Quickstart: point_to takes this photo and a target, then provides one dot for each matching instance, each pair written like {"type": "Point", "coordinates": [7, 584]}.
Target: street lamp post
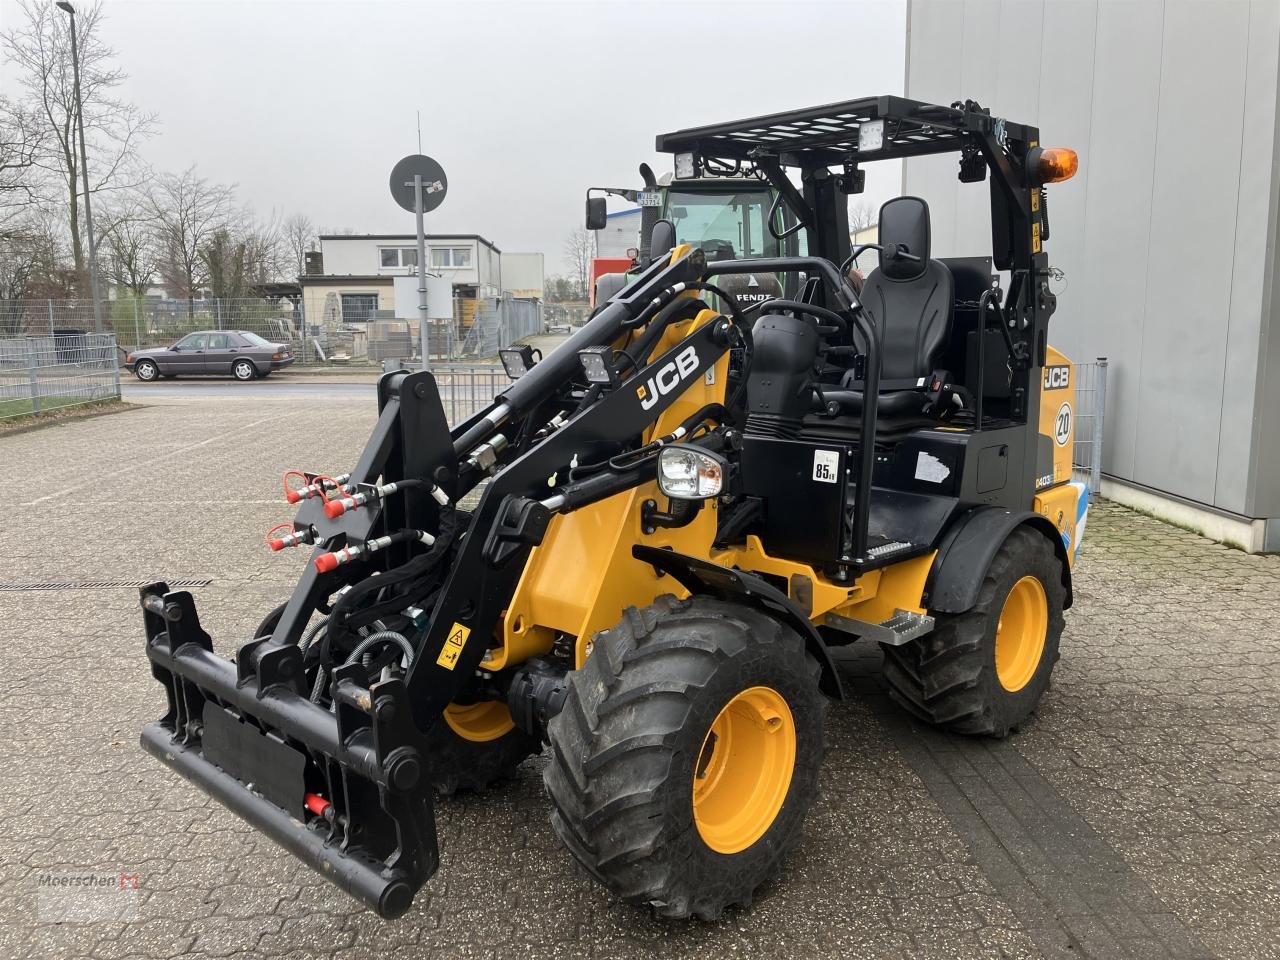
{"type": "Point", "coordinates": [84, 170]}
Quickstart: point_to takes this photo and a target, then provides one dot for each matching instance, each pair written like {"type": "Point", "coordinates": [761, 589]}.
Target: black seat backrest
{"type": "Point", "coordinates": [910, 301]}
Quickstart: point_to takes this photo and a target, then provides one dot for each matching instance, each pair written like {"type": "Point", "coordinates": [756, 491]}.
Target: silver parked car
{"type": "Point", "coordinates": [238, 353]}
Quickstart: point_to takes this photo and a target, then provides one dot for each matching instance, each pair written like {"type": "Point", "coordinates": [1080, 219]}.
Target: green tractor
{"type": "Point", "coordinates": [727, 215]}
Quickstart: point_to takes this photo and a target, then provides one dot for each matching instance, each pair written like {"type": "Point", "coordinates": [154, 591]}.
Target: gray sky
{"type": "Point", "coordinates": [307, 105]}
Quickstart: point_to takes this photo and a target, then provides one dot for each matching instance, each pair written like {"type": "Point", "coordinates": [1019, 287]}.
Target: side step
{"type": "Point", "coordinates": [903, 627]}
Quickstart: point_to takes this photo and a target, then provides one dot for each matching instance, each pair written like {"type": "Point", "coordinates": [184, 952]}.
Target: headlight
{"type": "Point", "coordinates": [690, 473]}
{"type": "Point", "coordinates": [597, 365]}
{"type": "Point", "coordinates": [517, 361]}
{"type": "Point", "coordinates": [871, 136]}
{"type": "Point", "coordinates": [686, 166]}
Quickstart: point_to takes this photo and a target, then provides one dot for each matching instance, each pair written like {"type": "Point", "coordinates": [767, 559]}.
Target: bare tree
{"type": "Point", "coordinates": [33, 259]}
{"type": "Point", "coordinates": [300, 234]}
{"type": "Point", "coordinates": [244, 253]}
{"type": "Point", "coordinates": [268, 256]}
{"type": "Point", "coordinates": [40, 54]}
{"type": "Point", "coordinates": [22, 143]}
{"type": "Point", "coordinates": [579, 248]}
{"type": "Point", "coordinates": [558, 289]}
{"type": "Point", "coordinates": [188, 210]}
{"type": "Point", "coordinates": [861, 216]}
{"type": "Point", "coordinates": [20, 256]}
{"type": "Point", "coordinates": [225, 261]}
{"type": "Point", "coordinates": [129, 248]}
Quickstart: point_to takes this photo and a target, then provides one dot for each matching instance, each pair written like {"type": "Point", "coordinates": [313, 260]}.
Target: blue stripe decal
{"type": "Point", "coordinates": [1082, 512]}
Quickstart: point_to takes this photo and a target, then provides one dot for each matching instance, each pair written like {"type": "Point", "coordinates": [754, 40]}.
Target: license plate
{"type": "Point", "coordinates": [650, 199]}
{"type": "Point", "coordinates": [267, 765]}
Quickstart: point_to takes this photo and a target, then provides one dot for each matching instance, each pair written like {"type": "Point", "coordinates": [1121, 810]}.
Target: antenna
{"type": "Point", "coordinates": [419, 112]}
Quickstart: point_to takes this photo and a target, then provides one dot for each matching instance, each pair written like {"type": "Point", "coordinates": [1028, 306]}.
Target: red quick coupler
{"type": "Point", "coordinates": [327, 562]}
{"type": "Point", "coordinates": [335, 508]}
{"type": "Point", "coordinates": [316, 488]}
{"type": "Point", "coordinates": [291, 539]}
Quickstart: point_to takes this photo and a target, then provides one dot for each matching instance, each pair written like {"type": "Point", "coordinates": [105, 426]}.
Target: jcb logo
{"type": "Point", "coordinates": [1056, 378]}
{"type": "Point", "coordinates": [671, 375]}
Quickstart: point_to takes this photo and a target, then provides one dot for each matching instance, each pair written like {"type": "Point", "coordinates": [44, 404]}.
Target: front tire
{"type": "Point", "coordinates": [687, 754]}
{"type": "Point", "coordinates": [146, 371]}
{"type": "Point", "coordinates": [477, 746]}
{"type": "Point", "coordinates": [983, 672]}
{"type": "Point", "coordinates": [244, 371]}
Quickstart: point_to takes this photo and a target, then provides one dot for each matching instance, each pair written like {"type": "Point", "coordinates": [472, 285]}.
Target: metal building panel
{"type": "Point", "coordinates": [1195, 184]}
{"type": "Point", "coordinates": [1065, 96]}
{"type": "Point", "coordinates": [1244, 484]}
{"type": "Point", "coordinates": [1117, 213]}
{"type": "Point", "coordinates": [933, 70]}
{"type": "Point", "coordinates": [1166, 255]}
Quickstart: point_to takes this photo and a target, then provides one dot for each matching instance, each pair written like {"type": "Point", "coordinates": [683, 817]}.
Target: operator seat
{"type": "Point", "coordinates": [911, 302]}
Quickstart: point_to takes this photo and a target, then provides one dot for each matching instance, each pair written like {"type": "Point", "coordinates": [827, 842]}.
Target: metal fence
{"type": "Point", "coordinates": [467, 388]}
{"type": "Point", "coordinates": [479, 328]}
{"type": "Point", "coordinates": [140, 322]}
{"type": "Point", "coordinates": [39, 375]}
{"type": "Point", "coordinates": [500, 323]}
{"type": "Point", "coordinates": [1090, 416]}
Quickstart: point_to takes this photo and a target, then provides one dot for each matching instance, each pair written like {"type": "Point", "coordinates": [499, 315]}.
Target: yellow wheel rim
{"type": "Point", "coordinates": [744, 770]}
{"type": "Point", "coordinates": [480, 722]}
{"type": "Point", "coordinates": [1020, 634]}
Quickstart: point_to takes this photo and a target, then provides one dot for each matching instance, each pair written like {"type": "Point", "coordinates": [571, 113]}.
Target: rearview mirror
{"type": "Point", "coordinates": [597, 214]}
{"type": "Point", "coordinates": [662, 240]}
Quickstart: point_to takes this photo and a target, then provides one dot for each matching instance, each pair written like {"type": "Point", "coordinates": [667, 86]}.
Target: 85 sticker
{"type": "Point", "coordinates": [826, 466]}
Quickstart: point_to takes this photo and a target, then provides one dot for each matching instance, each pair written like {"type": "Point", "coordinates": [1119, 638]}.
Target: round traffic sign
{"type": "Point", "coordinates": [434, 183]}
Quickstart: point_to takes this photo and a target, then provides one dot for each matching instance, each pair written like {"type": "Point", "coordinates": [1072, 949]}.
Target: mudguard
{"type": "Point", "coordinates": [701, 576]}
{"type": "Point", "coordinates": [969, 547]}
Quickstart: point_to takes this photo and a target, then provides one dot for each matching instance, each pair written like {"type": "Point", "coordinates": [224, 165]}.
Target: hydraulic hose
{"type": "Point", "coordinates": [405, 584]}
{"type": "Point", "coordinates": [382, 636]}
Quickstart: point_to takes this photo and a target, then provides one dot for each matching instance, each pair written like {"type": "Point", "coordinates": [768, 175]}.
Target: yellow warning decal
{"type": "Point", "coordinates": [453, 645]}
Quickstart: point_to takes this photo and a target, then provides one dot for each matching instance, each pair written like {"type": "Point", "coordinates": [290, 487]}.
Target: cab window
{"type": "Point", "coordinates": [194, 341]}
{"type": "Point", "coordinates": [725, 226]}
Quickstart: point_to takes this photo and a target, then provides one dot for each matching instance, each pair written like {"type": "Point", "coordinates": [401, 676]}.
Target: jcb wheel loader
{"type": "Point", "coordinates": [680, 512]}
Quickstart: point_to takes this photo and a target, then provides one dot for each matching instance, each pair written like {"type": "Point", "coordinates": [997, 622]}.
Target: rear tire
{"type": "Point", "coordinates": [646, 791]}
{"type": "Point", "coordinates": [244, 370]}
{"type": "Point", "coordinates": [974, 676]}
{"type": "Point", "coordinates": [476, 747]}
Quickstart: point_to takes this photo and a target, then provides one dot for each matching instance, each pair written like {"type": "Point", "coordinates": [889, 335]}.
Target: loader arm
{"type": "Point", "coordinates": [328, 764]}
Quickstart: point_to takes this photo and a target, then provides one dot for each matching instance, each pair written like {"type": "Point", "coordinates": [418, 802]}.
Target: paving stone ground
{"type": "Point", "coordinates": [1135, 817]}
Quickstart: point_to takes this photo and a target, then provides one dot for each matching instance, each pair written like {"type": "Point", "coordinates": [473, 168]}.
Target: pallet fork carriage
{"type": "Point", "coordinates": [679, 512]}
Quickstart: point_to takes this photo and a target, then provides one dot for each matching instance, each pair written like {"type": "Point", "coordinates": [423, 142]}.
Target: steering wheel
{"type": "Point", "coordinates": [829, 317]}
{"type": "Point", "coordinates": [718, 250]}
